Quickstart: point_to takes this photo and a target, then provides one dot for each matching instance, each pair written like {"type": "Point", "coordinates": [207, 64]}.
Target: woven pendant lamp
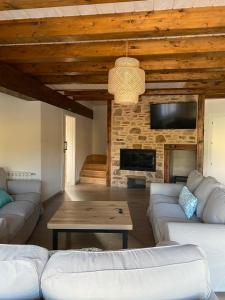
{"type": "Point", "coordinates": [126, 81]}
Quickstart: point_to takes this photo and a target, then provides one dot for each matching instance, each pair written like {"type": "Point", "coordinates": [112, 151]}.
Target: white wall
{"type": "Point", "coordinates": [100, 129]}
{"type": "Point", "coordinates": [20, 135]}
{"type": "Point", "coordinates": [214, 148]}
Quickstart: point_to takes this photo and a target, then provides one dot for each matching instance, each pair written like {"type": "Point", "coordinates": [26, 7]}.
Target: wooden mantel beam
{"type": "Point", "coordinates": [198, 62]}
{"type": "Point", "coordinates": [16, 83]}
{"type": "Point", "coordinates": [29, 4]}
{"type": "Point", "coordinates": [152, 48]}
{"type": "Point", "coordinates": [191, 21]}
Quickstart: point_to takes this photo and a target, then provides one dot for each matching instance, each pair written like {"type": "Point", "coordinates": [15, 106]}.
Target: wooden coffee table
{"type": "Point", "coordinates": [92, 216]}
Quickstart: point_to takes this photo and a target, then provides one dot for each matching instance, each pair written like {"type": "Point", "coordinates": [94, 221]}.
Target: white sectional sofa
{"type": "Point", "coordinates": [171, 272]}
{"type": "Point", "coordinates": [206, 228]}
{"type": "Point", "coordinates": [19, 218]}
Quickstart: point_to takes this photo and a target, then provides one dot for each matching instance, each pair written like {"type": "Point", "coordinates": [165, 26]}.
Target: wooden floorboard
{"type": "Point", "coordinates": [140, 236]}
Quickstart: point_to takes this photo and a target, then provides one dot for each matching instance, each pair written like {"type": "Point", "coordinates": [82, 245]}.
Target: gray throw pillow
{"type": "Point", "coordinates": [214, 211]}
{"type": "Point", "coordinates": [194, 179]}
{"type": "Point", "coordinates": [203, 191]}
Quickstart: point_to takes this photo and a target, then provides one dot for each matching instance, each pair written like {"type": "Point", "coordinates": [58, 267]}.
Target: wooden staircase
{"type": "Point", "coordinates": [94, 169]}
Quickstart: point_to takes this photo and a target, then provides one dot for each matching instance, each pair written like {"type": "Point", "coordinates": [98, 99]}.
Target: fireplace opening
{"type": "Point", "coordinates": [138, 159]}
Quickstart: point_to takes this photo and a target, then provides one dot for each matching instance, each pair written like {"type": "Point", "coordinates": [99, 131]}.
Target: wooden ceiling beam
{"type": "Point", "coordinates": [153, 48]}
{"type": "Point", "coordinates": [193, 63]}
{"type": "Point", "coordinates": [16, 83]}
{"type": "Point", "coordinates": [30, 4]}
{"type": "Point", "coordinates": [191, 21]}
{"type": "Point", "coordinates": [181, 91]}
{"type": "Point", "coordinates": [151, 77]}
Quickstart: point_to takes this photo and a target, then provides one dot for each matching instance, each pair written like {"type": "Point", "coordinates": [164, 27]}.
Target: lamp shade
{"type": "Point", "coordinates": [126, 81]}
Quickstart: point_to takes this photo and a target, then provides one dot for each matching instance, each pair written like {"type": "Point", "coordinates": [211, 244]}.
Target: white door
{"type": "Point", "coordinates": [69, 148]}
{"type": "Point", "coordinates": [216, 147]}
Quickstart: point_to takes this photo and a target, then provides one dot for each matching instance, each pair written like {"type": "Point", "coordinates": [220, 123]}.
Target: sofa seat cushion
{"type": "Point", "coordinates": [21, 268]}
{"type": "Point", "coordinates": [176, 272]}
{"type": "Point", "coordinates": [20, 208]}
{"type": "Point", "coordinates": [203, 192]}
{"type": "Point", "coordinates": [30, 197]}
{"type": "Point", "coordinates": [155, 199]}
{"type": "Point", "coordinates": [14, 224]}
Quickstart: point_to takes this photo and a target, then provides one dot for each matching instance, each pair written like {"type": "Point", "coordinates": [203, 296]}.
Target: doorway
{"type": "Point", "coordinates": [69, 151]}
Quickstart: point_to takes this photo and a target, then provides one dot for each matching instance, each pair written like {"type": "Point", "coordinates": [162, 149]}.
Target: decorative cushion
{"type": "Point", "coordinates": [214, 211]}
{"type": "Point", "coordinates": [5, 198]}
{"type": "Point", "coordinates": [188, 202]}
{"type": "Point", "coordinates": [3, 179]}
{"type": "Point", "coordinates": [174, 272]}
{"type": "Point", "coordinates": [203, 191]}
{"type": "Point", "coordinates": [194, 179]}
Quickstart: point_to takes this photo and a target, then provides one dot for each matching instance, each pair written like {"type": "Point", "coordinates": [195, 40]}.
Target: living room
{"type": "Point", "coordinates": [111, 117]}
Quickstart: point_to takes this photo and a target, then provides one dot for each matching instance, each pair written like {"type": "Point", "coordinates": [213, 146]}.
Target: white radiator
{"type": "Point", "coordinates": [21, 175]}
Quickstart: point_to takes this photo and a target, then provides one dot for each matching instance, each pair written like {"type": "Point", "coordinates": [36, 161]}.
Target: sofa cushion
{"type": "Point", "coordinates": [176, 272]}
{"type": "Point", "coordinates": [20, 208]}
{"type": "Point", "coordinates": [214, 210]}
{"type": "Point", "coordinates": [14, 224]}
{"type": "Point", "coordinates": [20, 271]}
{"type": "Point", "coordinates": [155, 199]}
{"type": "Point", "coordinates": [30, 197]}
{"type": "Point", "coordinates": [194, 179]}
{"type": "Point", "coordinates": [168, 210]}
{"type": "Point", "coordinates": [203, 191]}
{"type": "Point", "coordinates": [5, 198]}
{"type": "Point", "coordinates": [3, 179]}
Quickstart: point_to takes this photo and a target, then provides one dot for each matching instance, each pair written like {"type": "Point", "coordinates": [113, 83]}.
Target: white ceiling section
{"type": "Point", "coordinates": [94, 9]}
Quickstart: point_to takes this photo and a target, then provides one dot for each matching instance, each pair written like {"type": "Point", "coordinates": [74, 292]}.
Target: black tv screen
{"type": "Point", "coordinates": [179, 115]}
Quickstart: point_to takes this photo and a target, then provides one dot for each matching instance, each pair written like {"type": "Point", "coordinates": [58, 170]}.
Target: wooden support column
{"type": "Point", "coordinates": [200, 133]}
{"type": "Point", "coordinates": [109, 128]}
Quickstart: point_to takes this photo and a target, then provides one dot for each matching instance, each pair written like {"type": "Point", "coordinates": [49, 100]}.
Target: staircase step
{"type": "Point", "coordinates": [85, 179]}
{"type": "Point", "coordinates": [97, 167]}
{"type": "Point", "coordinates": [93, 173]}
{"type": "Point", "coordinates": [96, 159]}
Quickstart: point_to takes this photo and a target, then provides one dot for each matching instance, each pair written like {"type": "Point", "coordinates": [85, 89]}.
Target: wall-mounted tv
{"type": "Point", "coordinates": [177, 115]}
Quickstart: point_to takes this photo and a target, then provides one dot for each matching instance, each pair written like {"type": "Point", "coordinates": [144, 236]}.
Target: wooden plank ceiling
{"type": "Point", "coordinates": [182, 51]}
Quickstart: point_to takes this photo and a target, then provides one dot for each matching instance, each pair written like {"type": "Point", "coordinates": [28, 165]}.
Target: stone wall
{"type": "Point", "coordinates": [131, 129]}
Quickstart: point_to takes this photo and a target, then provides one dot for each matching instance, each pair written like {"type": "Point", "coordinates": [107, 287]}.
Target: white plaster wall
{"type": "Point", "coordinates": [99, 142]}
{"type": "Point", "coordinates": [20, 135]}
{"type": "Point", "coordinates": [214, 147]}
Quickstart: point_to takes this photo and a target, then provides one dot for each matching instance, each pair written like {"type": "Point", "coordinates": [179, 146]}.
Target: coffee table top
{"type": "Point", "coordinates": [104, 215]}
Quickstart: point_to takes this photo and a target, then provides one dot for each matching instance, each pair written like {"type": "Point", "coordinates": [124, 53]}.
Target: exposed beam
{"type": "Point", "coordinates": [183, 91]}
{"type": "Point", "coordinates": [151, 77]}
{"type": "Point", "coordinates": [16, 83]}
{"type": "Point", "coordinates": [190, 21]}
{"type": "Point", "coordinates": [29, 4]}
{"type": "Point", "coordinates": [97, 50]}
{"type": "Point", "coordinates": [195, 62]}
{"type": "Point", "coordinates": [200, 133]}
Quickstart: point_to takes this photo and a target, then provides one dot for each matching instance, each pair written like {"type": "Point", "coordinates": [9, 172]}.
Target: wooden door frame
{"type": "Point", "coordinates": [170, 147]}
{"type": "Point", "coordinates": [109, 137]}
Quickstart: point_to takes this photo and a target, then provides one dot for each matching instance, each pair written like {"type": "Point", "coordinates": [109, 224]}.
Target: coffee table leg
{"type": "Point", "coordinates": [55, 239]}
{"type": "Point", "coordinates": [125, 239]}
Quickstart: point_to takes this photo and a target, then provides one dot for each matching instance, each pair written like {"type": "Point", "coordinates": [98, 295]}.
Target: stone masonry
{"type": "Point", "coordinates": [131, 130]}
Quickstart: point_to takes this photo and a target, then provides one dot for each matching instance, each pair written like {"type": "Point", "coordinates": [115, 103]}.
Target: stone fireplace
{"type": "Point", "coordinates": [131, 130]}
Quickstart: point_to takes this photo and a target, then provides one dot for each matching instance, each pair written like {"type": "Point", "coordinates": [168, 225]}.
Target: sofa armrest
{"type": "Point", "coordinates": [168, 189]}
{"type": "Point", "coordinates": [24, 186]}
{"type": "Point", "coordinates": [3, 231]}
{"type": "Point", "coordinates": [211, 238]}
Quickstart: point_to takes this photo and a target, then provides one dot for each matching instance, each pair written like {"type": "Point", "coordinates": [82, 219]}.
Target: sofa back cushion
{"type": "Point", "coordinates": [193, 181]}
{"type": "Point", "coordinates": [214, 210]}
{"type": "Point", "coordinates": [21, 267]}
{"type": "Point", "coordinates": [173, 272]}
{"type": "Point", "coordinates": [3, 179]}
{"type": "Point", "coordinates": [203, 191]}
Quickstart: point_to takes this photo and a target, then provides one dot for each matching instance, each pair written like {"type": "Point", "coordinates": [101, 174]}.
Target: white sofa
{"type": "Point", "coordinates": [19, 218]}
{"type": "Point", "coordinates": [172, 272]}
{"type": "Point", "coordinates": [206, 228]}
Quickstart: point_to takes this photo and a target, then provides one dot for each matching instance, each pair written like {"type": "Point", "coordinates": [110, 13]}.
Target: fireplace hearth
{"type": "Point", "coordinates": [138, 160]}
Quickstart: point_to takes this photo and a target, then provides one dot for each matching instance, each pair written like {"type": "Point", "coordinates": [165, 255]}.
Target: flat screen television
{"type": "Point", "coordinates": [179, 115]}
